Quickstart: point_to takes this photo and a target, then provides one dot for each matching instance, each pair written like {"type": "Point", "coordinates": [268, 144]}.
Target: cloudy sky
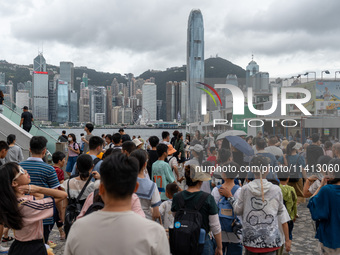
{"type": "Point", "coordinates": [286, 37]}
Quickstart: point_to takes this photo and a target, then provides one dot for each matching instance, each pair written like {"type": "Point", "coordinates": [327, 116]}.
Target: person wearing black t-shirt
{"type": "Point", "coordinates": [26, 119]}
{"type": "Point", "coordinates": [314, 151]}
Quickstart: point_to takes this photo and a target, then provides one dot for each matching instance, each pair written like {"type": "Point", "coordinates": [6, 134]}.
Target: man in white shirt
{"type": "Point", "coordinates": [116, 229]}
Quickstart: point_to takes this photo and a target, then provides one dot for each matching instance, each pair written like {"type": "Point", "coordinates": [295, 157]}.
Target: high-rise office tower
{"type": "Point", "coordinates": [184, 98]}
{"type": "Point", "coordinates": [85, 80]}
{"type": "Point", "coordinates": [39, 63]}
{"type": "Point", "coordinates": [109, 104]}
{"type": "Point", "coordinates": [130, 85]}
{"type": "Point", "coordinates": [74, 106]}
{"type": "Point", "coordinates": [23, 98]}
{"type": "Point", "coordinates": [40, 95]}
{"type": "Point", "coordinates": [149, 94]}
{"type": "Point", "coordinates": [67, 73]}
{"type": "Point", "coordinates": [52, 99]}
{"type": "Point", "coordinates": [195, 64]}
{"type": "Point", "coordinates": [62, 102]}
{"type": "Point", "coordinates": [98, 102]}
{"type": "Point", "coordinates": [84, 104]}
{"type": "Point", "coordinates": [173, 100]}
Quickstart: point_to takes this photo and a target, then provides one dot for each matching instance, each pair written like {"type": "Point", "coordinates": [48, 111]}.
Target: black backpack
{"type": "Point", "coordinates": [184, 237]}
{"type": "Point", "coordinates": [74, 206]}
{"type": "Point", "coordinates": [97, 204]}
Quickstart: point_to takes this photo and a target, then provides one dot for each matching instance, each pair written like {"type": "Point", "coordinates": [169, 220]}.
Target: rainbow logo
{"type": "Point", "coordinates": [209, 93]}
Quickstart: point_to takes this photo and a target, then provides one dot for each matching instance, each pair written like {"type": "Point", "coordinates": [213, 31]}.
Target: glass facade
{"type": "Point", "coordinates": [62, 102]}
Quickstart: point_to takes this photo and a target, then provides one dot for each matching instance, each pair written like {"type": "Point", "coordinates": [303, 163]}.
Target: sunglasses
{"type": "Point", "coordinates": [21, 172]}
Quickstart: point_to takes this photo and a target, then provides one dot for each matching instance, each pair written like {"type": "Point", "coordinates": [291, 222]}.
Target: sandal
{"type": "Point", "coordinates": [62, 234]}
{"type": "Point", "coordinates": [7, 239]}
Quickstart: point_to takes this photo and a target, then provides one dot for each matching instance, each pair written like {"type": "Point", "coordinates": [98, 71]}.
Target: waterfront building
{"type": "Point", "coordinates": [98, 97]}
{"type": "Point", "coordinates": [99, 119]}
{"type": "Point", "coordinates": [149, 95]}
{"type": "Point", "coordinates": [109, 104]}
{"type": "Point", "coordinates": [62, 102]}
{"type": "Point", "coordinates": [40, 95]}
{"type": "Point", "coordinates": [74, 117]}
{"type": "Point", "coordinates": [195, 64]}
{"type": "Point", "coordinates": [85, 79]}
{"type": "Point", "coordinates": [52, 99]}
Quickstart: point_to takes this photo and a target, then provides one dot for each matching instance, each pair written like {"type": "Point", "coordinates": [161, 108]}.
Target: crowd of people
{"type": "Point", "coordinates": [124, 195]}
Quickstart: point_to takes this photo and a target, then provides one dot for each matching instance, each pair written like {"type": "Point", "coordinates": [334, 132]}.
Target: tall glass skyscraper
{"type": "Point", "coordinates": [62, 102]}
{"type": "Point", "coordinates": [195, 64]}
{"type": "Point", "coordinates": [67, 73]}
{"type": "Point", "coordinates": [39, 63]}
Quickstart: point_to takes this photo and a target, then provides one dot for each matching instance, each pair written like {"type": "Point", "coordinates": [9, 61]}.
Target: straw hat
{"type": "Point", "coordinates": [136, 142]}
{"type": "Point", "coordinates": [198, 174]}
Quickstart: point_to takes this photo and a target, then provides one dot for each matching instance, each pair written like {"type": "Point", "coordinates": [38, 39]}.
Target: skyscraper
{"type": "Point", "coordinates": [39, 63]}
{"type": "Point", "coordinates": [84, 103]}
{"type": "Point", "coordinates": [251, 69]}
{"type": "Point", "coordinates": [149, 95]}
{"type": "Point", "coordinates": [40, 95]}
{"type": "Point", "coordinates": [62, 102]}
{"type": "Point", "coordinates": [73, 106]}
{"type": "Point", "coordinates": [195, 64]}
{"type": "Point", "coordinates": [67, 73]}
{"type": "Point", "coordinates": [98, 102]}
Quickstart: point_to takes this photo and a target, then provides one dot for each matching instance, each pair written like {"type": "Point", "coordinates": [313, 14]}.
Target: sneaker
{"type": "Point", "coordinates": [3, 250]}
{"type": "Point", "coordinates": [51, 244]}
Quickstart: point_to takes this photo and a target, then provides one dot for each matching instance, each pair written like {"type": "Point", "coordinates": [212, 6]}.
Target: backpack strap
{"type": "Point", "coordinates": [68, 188]}
{"type": "Point", "coordinates": [234, 189]}
{"type": "Point", "coordinates": [201, 202]}
{"type": "Point", "coordinates": [181, 200]}
{"type": "Point", "coordinates": [83, 189]}
{"type": "Point", "coordinates": [95, 161]}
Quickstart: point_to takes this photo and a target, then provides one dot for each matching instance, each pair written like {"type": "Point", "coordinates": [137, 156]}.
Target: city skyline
{"type": "Point", "coordinates": [286, 38]}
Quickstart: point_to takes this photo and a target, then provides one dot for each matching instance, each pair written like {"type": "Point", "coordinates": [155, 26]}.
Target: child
{"type": "Point", "coordinates": [59, 159]}
{"type": "Point", "coordinates": [24, 213]}
{"type": "Point", "coordinates": [165, 208]}
{"type": "Point", "coordinates": [212, 157]}
{"type": "Point", "coordinates": [290, 200]}
{"type": "Point", "coordinates": [147, 191]}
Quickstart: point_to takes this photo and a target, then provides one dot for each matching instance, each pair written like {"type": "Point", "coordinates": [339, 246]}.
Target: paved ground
{"type": "Point", "coordinates": [304, 242]}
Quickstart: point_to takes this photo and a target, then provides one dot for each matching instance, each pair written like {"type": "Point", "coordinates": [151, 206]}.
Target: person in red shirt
{"type": "Point", "coordinates": [59, 159]}
{"type": "Point", "coordinates": [212, 157]}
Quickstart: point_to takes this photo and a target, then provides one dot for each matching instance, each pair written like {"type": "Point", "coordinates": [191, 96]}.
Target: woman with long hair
{"type": "Point", "coordinates": [73, 152]}
{"type": "Point", "coordinates": [14, 153]}
{"type": "Point", "coordinates": [179, 147]}
{"type": "Point", "coordinates": [25, 213]}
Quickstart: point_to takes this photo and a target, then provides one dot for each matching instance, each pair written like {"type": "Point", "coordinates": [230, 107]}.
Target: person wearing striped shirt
{"type": "Point", "coordinates": [42, 175]}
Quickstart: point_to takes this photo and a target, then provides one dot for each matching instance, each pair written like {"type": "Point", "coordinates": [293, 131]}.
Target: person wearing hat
{"type": "Point", "coordinates": [260, 203]}
{"type": "Point", "coordinates": [26, 119]}
{"type": "Point", "coordinates": [138, 143]}
{"type": "Point", "coordinates": [197, 155]}
{"type": "Point", "coordinates": [195, 176]}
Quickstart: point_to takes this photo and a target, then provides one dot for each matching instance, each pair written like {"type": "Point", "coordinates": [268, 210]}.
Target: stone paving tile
{"type": "Point", "coordinates": [304, 242]}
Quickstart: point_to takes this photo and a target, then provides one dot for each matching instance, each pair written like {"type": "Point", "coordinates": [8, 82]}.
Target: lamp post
{"type": "Point", "coordinates": [326, 72]}
{"type": "Point", "coordinates": [306, 74]}
{"type": "Point", "coordinates": [335, 73]}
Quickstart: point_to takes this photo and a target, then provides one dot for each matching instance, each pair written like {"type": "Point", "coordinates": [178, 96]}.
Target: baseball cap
{"type": "Point", "coordinates": [197, 148]}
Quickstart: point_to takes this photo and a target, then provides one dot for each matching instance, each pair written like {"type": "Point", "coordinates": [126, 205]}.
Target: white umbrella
{"type": "Point", "coordinates": [231, 133]}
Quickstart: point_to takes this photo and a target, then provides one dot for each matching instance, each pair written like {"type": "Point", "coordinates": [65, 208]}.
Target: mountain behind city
{"type": "Point", "coordinates": [215, 67]}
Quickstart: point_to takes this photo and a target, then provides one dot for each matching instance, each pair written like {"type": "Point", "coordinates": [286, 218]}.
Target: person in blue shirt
{"type": "Point", "coordinates": [96, 144]}
{"type": "Point", "coordinates": [324, 207]}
